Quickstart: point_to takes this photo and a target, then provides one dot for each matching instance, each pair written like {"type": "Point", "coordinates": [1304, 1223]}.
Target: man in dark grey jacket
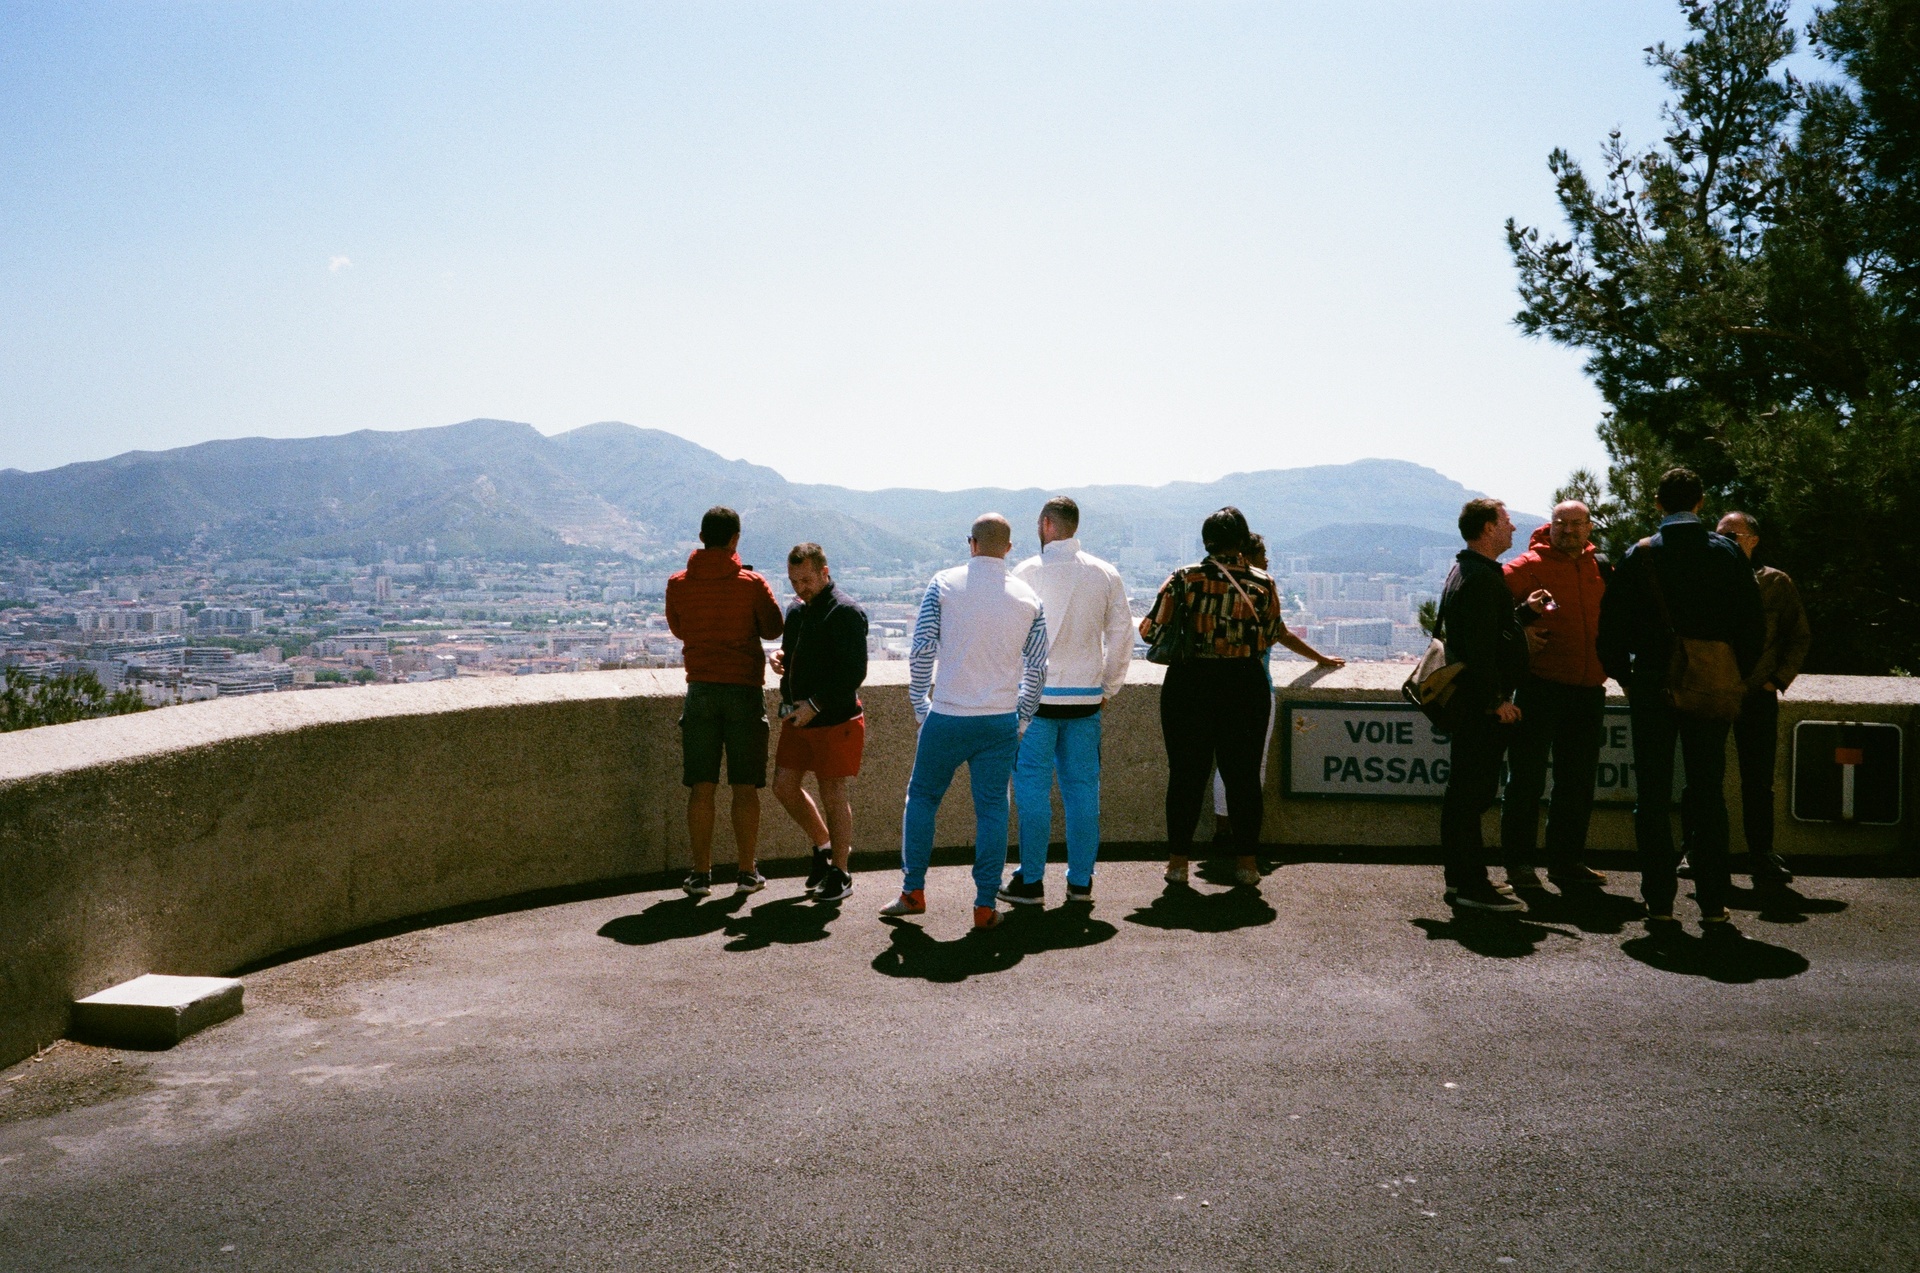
{"type": "Point", "coordinates": [1482, 628]}
{"type": "Point", "coordinates": [1683, 581]}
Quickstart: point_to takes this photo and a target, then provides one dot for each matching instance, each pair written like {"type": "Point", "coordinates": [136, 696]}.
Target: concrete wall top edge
{"type": "Point", "coordinates": [56, 749]}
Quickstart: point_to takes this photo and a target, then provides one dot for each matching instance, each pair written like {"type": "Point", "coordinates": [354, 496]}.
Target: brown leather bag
{"type": "Point", "coordinates": [1703, 677]}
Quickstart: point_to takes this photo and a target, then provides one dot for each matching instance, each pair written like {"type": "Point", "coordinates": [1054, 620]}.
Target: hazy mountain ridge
{"type": "Point", "coordinates": [501, 489]}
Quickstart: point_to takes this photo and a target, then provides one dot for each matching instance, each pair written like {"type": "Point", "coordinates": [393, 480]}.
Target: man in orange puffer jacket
{"type": "Point", "coordinates": [722, 610]}
{"type": "Point", "coordinates": [1562, 703]}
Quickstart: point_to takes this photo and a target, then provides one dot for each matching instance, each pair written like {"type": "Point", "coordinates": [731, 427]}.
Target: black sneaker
{"type": "Point", "coordinates": [1019, 893]}
{"type": "Point", "coordinates": [1079, 894]}
{"type": "Point", "coordinates": [822, 863]}
{"type": "Point", "coordinates": [697, 883]}
{"type": "Point", "coordinates": [1769, 868]}
{"type": "Point", "coordinates": [748, 882]}
{"type": "Point", "coordinates": [838, 886]}
{"type": "Point", "coordinates": [1483, 897]}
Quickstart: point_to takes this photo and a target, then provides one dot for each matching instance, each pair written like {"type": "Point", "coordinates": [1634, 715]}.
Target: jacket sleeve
{"type": "Point", "coordinates": [1033, 675]}
{"type": "Point", "coordinates": [767, 619]}
{"type": "Point", "coordinates": [788, 633]}
{"type": "Point", "coordinates": [1163, 612]}
{"type": "Point", "coordinates": [1795, 635]}
{"type": "Point", "coordinates": [1475, 615]}
{"type": "Point", "coordinates": [848, 667]}
{"type": "Point", "coordinates": [1119, 637]}
{"type": "Point", "coordinates": [926, 646]}
{"type": "Point", "coordinates": [673, 613]}
{"type": "Point", "coordinates": [1272, 626]}
{"type": "Point", "coordinates": [1749, 617]}
{"type": "Point", "coordinates": [1519, 577]}
{"type": "Point", "coordinates": [1614, 643]}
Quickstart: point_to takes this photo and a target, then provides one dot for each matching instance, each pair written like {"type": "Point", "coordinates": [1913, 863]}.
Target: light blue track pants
{"type": "Point", "coordinates": [986, 746]}
{"type": "Point", "coordinates": [1070, 748]}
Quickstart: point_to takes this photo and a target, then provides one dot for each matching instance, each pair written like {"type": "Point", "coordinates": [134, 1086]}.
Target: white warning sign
{"type": "Point", "coordinates": [1390, 751]}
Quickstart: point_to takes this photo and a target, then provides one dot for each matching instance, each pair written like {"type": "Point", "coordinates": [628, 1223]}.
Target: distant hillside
{"type": "Point", "coordinates": [1367, 548]}
{"type": "Point", "coordinates": [504, 490]}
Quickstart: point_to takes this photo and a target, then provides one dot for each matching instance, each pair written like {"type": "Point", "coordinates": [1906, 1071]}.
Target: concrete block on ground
{"type": "Point", "coordinates": [155, 1011]}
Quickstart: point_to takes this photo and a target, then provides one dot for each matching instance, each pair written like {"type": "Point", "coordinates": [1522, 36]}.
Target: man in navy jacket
{"type": "Point", "coordinates": [1709, 594]}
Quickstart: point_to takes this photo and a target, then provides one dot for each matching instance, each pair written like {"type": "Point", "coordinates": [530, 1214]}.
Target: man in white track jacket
{"type": "Point", "coordinates": [978, 665]}
{"type": "Point", "coordinates": [1089, 644]}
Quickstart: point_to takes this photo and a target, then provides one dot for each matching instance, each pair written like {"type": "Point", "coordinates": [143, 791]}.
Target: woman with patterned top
{"type": "Point", "coordinates": [1216, 698]}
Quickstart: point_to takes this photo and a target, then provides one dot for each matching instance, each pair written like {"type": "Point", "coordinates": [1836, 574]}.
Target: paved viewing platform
{"type": "Point", "coordinates": [479, 1034]}
{"type": "Point", "coordinates": [1330, 1074]}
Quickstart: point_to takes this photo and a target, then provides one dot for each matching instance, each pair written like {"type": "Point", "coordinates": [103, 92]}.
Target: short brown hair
{"type": "Point", "coordinates": [808, 552]}
{"type": "Point", "coordinates": [719, 525]}
{"type": "Point", "coordinates": [1478, 514]}
{"type": "Point", "coordinates": [1062, 512]}
{"type": "Point", "coordinates": [1680, 491]}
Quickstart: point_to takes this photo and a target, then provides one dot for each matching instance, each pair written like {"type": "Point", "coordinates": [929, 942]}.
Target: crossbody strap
{"type": "Point", "coordinates": [1228, 572]}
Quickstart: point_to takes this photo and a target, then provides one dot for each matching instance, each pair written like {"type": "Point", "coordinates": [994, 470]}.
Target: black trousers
{"type": "Point", "coordinates": [1756, 737]}
{"type": "Point", "coordinates": [1213, 712]}
{"type": "Point", "coordinates": [1473, 779]}
{"type": "Point", "coordinates": [1566, 723]}
{"type": "Point", "coordinates": [1703, 806]}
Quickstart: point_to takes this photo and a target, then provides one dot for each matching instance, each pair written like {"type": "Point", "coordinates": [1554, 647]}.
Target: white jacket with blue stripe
{"type": "Point", "coordinates": [985, 631]}
{"type": "Point", "coordinates": [1089, 625]}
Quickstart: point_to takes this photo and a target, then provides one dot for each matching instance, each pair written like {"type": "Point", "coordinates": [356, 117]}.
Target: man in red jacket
{"type": "Point", "coordinates": [721, 611]}
{"type": "Point", "coordinates": [1562, 703]}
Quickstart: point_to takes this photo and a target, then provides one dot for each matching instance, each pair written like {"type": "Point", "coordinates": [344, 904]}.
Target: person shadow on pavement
{"type": "Point", "coordinates": [1494, 936]}
{"type": "Point", "coordinates": [1781, 903]}
{"type": "Point", "coordinates": [912, 952]}
{"type": "Point", "coordinates": [789, 921]}
{"type": "Point", "coordinates": [1732, 958]}
{"type": "Point", "coordinates": [1180, 906]}
{"type": "Point", "coordinates": [673, 919]}
{"type": "Point", "coordinates": [1591, 910]}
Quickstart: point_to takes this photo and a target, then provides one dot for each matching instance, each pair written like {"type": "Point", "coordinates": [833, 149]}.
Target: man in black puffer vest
{"type": "Point", "coordinates": [1709, 593]}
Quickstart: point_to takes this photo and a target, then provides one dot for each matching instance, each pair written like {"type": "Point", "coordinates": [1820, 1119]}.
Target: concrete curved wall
{"type": "Point", "coordinates": [199, 838]}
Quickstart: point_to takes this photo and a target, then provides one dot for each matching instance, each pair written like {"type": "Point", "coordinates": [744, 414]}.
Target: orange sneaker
{"type": "Point", "coordinates": [986, 917]}
{"type": "Point", "coordinates": [911, 902]}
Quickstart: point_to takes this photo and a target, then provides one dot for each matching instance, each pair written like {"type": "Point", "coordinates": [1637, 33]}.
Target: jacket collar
{"type": "Point", "coordinates": [990, 565]}
{"type": "Point", "coordinates": [826, 598]}
{"type": "Point", "coordinates": [1679, 519]}
{"type": "Point", "coordinates": [1060, 549]}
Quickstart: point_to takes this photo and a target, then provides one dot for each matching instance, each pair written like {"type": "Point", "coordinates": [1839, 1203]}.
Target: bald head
{"type": "Point", "coordinates": [1742, 529]}
{"type": "Point", "coordinates": [1572, 527]}
{"type": "Point", "coordinates": [992, 535]}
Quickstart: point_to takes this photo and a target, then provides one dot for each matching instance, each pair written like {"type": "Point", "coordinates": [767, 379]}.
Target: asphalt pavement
{"type": "Point", "coordinates": [1331, 1072]}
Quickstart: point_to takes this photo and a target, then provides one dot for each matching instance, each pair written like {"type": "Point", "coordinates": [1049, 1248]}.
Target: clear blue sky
{"type": "Point", "coordinates": [936, 244]}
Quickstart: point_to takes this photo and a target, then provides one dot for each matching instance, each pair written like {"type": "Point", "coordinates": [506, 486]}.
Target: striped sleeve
{"type": "Point", "coordinates": [1119, 637]}
{"type": "Point", "coordinates": [1033, 679]}
{"type": "Point", "coordinates": [926, 644]}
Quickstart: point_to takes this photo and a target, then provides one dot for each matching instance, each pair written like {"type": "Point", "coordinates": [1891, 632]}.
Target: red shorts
{"type": "Point", "coordinates": [831, 751]}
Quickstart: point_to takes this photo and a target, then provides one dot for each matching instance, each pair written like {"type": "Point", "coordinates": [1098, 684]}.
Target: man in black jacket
{"type": "Point", "coordinates": [1685, 581]}
{"type": "Point", "coordinates": [1482, 628]}
{"type": "Point", "coordinates": [822, 663]}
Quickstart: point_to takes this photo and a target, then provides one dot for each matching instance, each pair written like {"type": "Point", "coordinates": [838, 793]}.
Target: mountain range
{"type": "Point", "coordinates": [503, 490]}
